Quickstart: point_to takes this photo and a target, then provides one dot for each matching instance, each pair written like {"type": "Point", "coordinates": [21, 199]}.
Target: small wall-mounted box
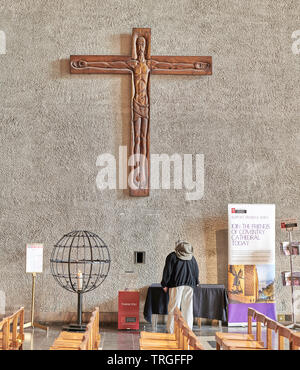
{"type": "Point", "coordinates": [139, 257]}
{"type": "Point", "coordinates": [284, 317]}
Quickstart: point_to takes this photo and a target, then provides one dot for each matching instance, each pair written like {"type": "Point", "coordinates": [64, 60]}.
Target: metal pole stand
{"type": "Point", "coordinates": [32, 323]}
{"type": "Point", "coordinates": [293, 325]}
{"type": "Point", "coordinates": [79, 327]}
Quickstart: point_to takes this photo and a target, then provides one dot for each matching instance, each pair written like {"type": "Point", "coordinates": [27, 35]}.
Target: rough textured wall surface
{"type": "Point", "coordinates": [244, 119]}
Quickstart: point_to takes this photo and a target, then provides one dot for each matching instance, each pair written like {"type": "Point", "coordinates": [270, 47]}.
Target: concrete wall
{"type": "Point", "coordinates": [244, 119]}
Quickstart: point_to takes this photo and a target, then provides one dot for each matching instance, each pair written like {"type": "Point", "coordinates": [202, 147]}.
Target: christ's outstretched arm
{"type": "Point", "coordinates": [180, 65]}
{"type": "Point", "coordinates": [83, 64]}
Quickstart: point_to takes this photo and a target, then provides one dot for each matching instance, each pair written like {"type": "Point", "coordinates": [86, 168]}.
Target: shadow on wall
{"type": "Point", "coordinates": [222, 256]}
{"type": "Point", "coordinates": [209, 238]}
{"type": "Point", "coordinates": [60, 69]}
{"type": "Point", "coordinates": [215, 249]}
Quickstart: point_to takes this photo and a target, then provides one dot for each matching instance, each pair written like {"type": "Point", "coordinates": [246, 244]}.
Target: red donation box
{"type": "Point", "coordinates": [128, 310]}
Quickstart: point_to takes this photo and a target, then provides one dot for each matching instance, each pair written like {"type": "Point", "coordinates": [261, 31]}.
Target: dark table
{"type": "Point", "coordinates": [210, 302]}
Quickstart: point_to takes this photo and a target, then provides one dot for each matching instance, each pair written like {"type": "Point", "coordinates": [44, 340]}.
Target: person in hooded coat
{"type": "Point", "coordinates": [180, 277]}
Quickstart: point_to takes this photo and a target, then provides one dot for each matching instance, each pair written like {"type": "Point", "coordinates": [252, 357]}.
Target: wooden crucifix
{"type": "Point", "coordinates": [141, 65]}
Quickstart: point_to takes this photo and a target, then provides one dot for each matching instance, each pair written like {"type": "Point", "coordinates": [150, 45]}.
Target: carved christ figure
{"type": "Point", "coordinates": [140, 65]}
{"type": "Point", "coordinates": [140, 114]}
{"type": "Point", "coordinates": [140, 69]}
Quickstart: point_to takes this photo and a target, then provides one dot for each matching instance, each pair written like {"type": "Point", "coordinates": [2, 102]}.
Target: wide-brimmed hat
{"type": "Point", "coordinates": [184, 250]}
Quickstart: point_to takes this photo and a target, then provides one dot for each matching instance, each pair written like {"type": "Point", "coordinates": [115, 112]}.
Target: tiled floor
{"type": "Point", "coordinates": [114, 339]}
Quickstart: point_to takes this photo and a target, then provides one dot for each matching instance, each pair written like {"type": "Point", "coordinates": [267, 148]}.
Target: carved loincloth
{"type": "Point", "coordinates": [140, 110]}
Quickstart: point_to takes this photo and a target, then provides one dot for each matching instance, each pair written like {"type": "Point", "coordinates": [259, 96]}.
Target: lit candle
{"type": "Point", "coordinates": [79, 280]}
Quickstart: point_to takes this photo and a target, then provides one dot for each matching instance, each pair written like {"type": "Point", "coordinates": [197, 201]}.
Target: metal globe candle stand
{"type": "Point", "coordinates": [80, 262]}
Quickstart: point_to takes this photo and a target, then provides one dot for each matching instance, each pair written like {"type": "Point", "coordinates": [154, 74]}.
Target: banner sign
{"type": "Point", "coordinates": [251, 260]}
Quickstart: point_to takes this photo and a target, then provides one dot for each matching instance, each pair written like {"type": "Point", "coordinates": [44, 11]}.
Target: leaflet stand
{"type": "Point", "coordinates": [34, 265]}
{"type": "Point", "coordinates": [32, 323]}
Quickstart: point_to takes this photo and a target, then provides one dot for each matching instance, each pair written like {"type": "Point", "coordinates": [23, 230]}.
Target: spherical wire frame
{"type": "Point", "coordinates": [66, 257]}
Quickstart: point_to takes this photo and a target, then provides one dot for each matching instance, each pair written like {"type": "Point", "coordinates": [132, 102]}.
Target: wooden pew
{"type": "Point", "coordinates": [65, 342]}
{"type": "Point", "coordinates": [73, 340]}
{"type": "Point", "coordinates": [158, 343]}
{"type": "Point", "coordinates": [260, 319]}
{"type": "Point", "coordinates": [190, 341]}
{"type": "Point", "coordinates": [85, 344]}
{"type": "Point", "coordinates": [164, 341]}
{"type": "Point", "coordinates": [236, 344]}
{"type": "Point", "coordinates": [96, 334]}
{"type": "Point", "coordinates": [272, 326]}
{"type": "Point", "coordinates": [185, 339]}
{"type": "Point", "coordinates": [77, 337]}
{"type": "Point", "coordinates": [220, 336]}
{"type": "Point", "coordinates": [90, 339]}
{"type": "Point", "coordinates": [295, 341]}
{"type": "Point", "coordinates": [86, 341]}
{"type": "Point", "coordinates": [4, 328]}
{"type": "Point", "coordinates": [17, 322]}
{"type": "Point", "coordinates": [14, 330]}
{"type": "Point", "coordinates": [194, 344]}
{"type": "Point", "coordinates": [284, 333]}
{"type": "Point", "coordinates": [164, 336]}
{"type": "Point", "coordinates": [149, 339]}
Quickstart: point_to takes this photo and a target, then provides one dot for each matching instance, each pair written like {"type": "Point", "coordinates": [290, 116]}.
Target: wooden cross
{"type": "Point", "coordinates": [140, 65]}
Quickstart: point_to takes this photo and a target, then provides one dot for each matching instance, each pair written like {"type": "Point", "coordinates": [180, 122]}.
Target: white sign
{"type": "Point", "coordinates": [251, 260]}
{"type": "Point", "coordinates": [34, 258]}
{"type": "Point", "coordinates": [2, 42]}
{"type": "Point", "coordinates": [251, 234]}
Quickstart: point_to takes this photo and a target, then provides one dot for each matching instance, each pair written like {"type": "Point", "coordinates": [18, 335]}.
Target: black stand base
{"type": "Point", "coordinates": [79, 326]}
{"type": "Point", "coordinates": [75, 328]}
